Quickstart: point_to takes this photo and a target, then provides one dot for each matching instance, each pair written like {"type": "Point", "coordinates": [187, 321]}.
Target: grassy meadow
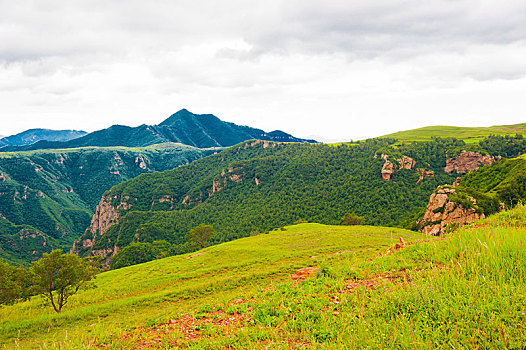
{"type": "Point", "coordinates": [364, 289]}
{"type": "Point", "coordinates": [468, 134]}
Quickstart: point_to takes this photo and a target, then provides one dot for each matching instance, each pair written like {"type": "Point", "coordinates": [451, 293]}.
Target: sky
{"type": "Point", "coordinates": [337, 70]}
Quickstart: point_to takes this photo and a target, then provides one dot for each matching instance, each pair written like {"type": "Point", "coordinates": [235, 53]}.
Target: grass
{"type": "Point", "coordinates": [466, 291]}
{"type": "Point", "coordinates": [468, 134]}
{"type": "Point", "coordinates": [162, 289]}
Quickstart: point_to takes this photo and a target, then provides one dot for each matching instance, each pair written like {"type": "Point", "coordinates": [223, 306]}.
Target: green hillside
{"type": "Point", "coordinates": [500, 184]}
{"type": "Point", "coordinates": [53, 193]}
{"type": "Point", "coordinates": [464, 291]}
{"type": "Point", "coordinates": [255, 186]}
{"type": "Point", "coordinates": [153, 292]}
{"type": "Point", "coordinates": [468, 134]}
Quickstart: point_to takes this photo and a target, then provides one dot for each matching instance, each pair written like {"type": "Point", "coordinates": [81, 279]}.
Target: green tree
{"type": "Point", "coordinates": [200, 235]}
{"type": "Point", "coordinates": [352, 219]}
{"type": "Point", "coordinates": [14, 283]}
{"type": "Point", "coordinates": [135, 253]}
{"type": "Point", "coordinates": [58, 276]}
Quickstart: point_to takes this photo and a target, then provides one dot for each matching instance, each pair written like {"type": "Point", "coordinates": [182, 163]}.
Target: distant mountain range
{"type": "Point", "coordinates": [197, 130]}
{"type": "Point", "coordinates": [34, 135]}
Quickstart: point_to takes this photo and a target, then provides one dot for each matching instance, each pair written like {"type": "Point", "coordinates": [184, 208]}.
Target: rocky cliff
{"type": "Point", "coordinates": [466, 162]}
{"type": "Point", "coordinates": [106, 215]}
{"type": "Point", "coordinates": [389, 168]}
{"type": "Point", "coordinates": [442, 211]}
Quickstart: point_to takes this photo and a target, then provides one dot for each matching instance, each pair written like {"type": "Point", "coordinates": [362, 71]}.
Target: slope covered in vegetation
{"type": "Point", "coordinates": [463, 291]}
{"type": "Point", "coordinates": [257, 185]}
{"type": "Point", "coordinates": [217, 276]}
{"type": "Point", "coordinates": [47, 198]}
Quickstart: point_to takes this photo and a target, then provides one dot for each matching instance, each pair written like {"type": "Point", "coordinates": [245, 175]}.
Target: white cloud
{"type": "Point", "coordinates": [340, 69]}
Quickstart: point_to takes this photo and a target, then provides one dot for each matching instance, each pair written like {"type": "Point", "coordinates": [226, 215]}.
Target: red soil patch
{"type": "Point", "coordinates": [187, 327]}
{"type": "Point", "coordinates": [304, 273]}
{"type": "Point", "coordinates": [195, 255]}
{"type": "Point", "coordinates": [402, 244]}
{"type": "Point", "coordinates": [398, 277]}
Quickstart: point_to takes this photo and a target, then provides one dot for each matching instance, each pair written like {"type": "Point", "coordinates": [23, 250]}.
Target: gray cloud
{"type": "Point", "coordinates": [127, 61]}
{"type": "Point", "coordinates": [378, 28]}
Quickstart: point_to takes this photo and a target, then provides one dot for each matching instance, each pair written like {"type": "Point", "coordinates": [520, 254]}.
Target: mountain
{"type": "Point", "coordinates": [34, 135]}
{"type": "Point", "coordinates": [260, 185]}
{"type": "Point", "coordinates": [47, 198]}
{"type": "Point", "coordinates": [198, 130]}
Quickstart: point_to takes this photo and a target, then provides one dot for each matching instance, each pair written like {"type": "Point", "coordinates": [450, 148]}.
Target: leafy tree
{"type": "Point", "coordinates": [58, 276]}
{"type": "Point", "coordinates": [352, 219]}
{"type": "Point", "coordinates": [200, 235]}
{"type": "Point", "coordinates": [135, 253]}
{"type": "Point", "coordinates": [14, 282]}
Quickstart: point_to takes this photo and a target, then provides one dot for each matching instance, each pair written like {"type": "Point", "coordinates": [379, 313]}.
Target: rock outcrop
{"type": "Point", "coordinates": [424, 173]}
{"type": "Point", "coordinates": [466, 162]}
{"type": "Point", "coordinates": [389, 168]}
{"type": "Point", "coordinates": [233, 174]}
{"type": "Point", "coordinates": [441, 212]}
{"type": "Point", "coordinates": [106, 215]}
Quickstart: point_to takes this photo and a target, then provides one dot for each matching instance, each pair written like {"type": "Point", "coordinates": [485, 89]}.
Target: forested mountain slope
{"type": "Point", "coordinates": [47, 198]}
{"type": "Point", "coordinates": [260, 185]}
{"type": "Point", "coordinates": [198, 130]}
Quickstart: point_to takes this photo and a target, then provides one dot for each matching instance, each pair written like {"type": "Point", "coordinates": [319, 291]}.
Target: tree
{"type": "Point", "coordinates": [352, 219]}
{"type": "Point", "coordinates": [135, 253]}
{"type": "Point", "coordinates": [14, 283]}
{"type": "Point", "coordinates": [58, 276]}
{"type": "Point", "coordinates": [200, 235]}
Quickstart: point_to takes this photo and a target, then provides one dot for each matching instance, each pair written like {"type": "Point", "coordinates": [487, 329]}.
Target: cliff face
{"type": "Point", "coordinates": [106, 215]}
{"type": "Point", "coordinates": [441, 212]}
{"type": "Point", "coordinates": [389, 168]}
{"type": "Point", "coordinates": [466, 162]}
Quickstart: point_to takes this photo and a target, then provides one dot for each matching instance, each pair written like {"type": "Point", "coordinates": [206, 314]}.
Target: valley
{"type": "Point", "coordinates": [47, 197]}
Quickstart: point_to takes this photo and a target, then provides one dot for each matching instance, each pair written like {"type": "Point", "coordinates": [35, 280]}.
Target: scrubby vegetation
{"type": "Point", "coordinates": [56, 277]}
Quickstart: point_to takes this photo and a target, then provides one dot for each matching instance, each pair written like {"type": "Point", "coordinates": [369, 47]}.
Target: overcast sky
{"type": "Point", "coordinates": [339, 69]}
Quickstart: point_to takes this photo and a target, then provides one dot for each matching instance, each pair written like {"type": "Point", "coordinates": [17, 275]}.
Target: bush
{"type": "Point", "coordinates": [135, 253]}
{"type": "Point", "coordinates": [352, 219]}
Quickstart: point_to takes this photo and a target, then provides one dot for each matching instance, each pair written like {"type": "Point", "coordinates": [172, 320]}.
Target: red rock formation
{"type": "Point", "coordinates": [442, 212]}
{"type": "Point", "coordinates": [106, 215]}
{"type": "Point", "coordinates": [424, 173]}
{"type": "Point", "coordinates": [466, 162]}
{"type": "Point", "coordinates": [390, 168]}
